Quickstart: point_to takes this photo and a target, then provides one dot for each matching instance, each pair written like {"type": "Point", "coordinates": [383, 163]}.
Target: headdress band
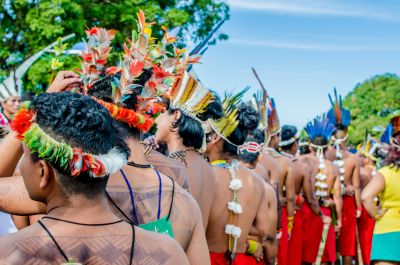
{"type": "Point", "coordinates": [251, 147]}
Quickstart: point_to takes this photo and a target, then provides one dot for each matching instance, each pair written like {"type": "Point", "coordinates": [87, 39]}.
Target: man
{"type": "Point", "coordinates": [303, 188]}
{"type": "Point", "coordinates": [181, 129]}
{"type": "Point", "coordinates": [237, 205]}
{"type": "Point", "coordinates": [325, 183]}
{"type": "Point", "coordinates": [249, 156]}
{"type": "Point", "coordinates": [349, 173]}
{"type": "Point", "coordinates": [58, 169]}
{"type": "Point", "coordinates": [286, 190]}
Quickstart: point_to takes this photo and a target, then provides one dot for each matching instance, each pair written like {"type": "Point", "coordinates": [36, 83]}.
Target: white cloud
{"type": "Point", "coordinates": [312, 8]}
{"type": "Point", "coordinates": [310, 46]}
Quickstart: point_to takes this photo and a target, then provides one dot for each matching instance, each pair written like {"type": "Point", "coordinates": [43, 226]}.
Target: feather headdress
{"type": "Point", "coordinates": [320, 126]}
{"type": "Point", "coordinates": [228, 123]}
{"type": "Point", "coordinates": [368, 147]}
{"type": "Point", "coordinates": [95, 57]}
{"type": "Point", "coordinates": [261, 99]}
{"type": "Point", "coordinates": [338, 115]}
{"type": "Point", "coordinates": [189, 96]}
{"type": "Point", "coordinates": [274, 126]}
{"type": "Point", "coordinates": [385, 138]}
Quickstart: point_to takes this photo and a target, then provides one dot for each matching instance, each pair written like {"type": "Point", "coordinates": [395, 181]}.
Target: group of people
{"type": "Point", "coordinates": [139, 163]}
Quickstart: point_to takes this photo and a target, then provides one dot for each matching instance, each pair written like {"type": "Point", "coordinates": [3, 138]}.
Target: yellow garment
{"type": "Point", "coordinates": [390, 200]}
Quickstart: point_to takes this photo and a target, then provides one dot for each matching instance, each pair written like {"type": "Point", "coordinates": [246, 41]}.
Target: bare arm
{"type": "Point", "coordinates": [375, 186]}
{"type": "Point", "coordinates": [14, 198]}
{"type": "Point", "coordinates": [356, 185]}
{"type": "Point", "coordinates": [337, 198]}
{"type": "Point", "coordinates": [197, 250]}
{"type": "Point", "coordinates": [290, 190]}
{"type": "Point", "coordinates": [308, 192]}
{"type": "Point", "coordinates": [271, 244]}
{"type": "Point", "coordinates": [10, 153]}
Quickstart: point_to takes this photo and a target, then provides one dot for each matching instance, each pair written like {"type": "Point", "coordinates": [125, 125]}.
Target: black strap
{"type": "Point", "coordinates": [172, 199]}
{"type": "Point", "coordinates": [54, 240]}
{"type": "Point", "coordinates": [133, 243]}
{"type": "Point", "coordinates": [76, 223]}
{"type": "Point", "coordinates": [119, 209]}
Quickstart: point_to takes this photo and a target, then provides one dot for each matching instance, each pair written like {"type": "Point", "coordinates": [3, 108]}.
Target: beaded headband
{"type": "Point", "coordinates": [60, 153]}
{"type": "Point", "coordinates": [251, 147]}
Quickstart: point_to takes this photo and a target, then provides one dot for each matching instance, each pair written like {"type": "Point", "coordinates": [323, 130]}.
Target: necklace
{"type": "Point", "coordinates": [133, 164]}
{"type": "Point", "coordinates": [180, 155]}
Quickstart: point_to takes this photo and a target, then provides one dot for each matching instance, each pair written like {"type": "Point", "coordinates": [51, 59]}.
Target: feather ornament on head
{"type": "Point", "coordinates": [395, 122]}
{"type": "Point", "coordinates": [189, 96]}
{"type": "Point", "coordinates": [225, 126]}
{"type": "Point", "coordinates": [320, 126]}
{"type": "Point", "coordinates": [274, 126]}
{"type": "Point", "coordinates": [368, 147]}
{"type": "Point", "coordinates": [338, 115]}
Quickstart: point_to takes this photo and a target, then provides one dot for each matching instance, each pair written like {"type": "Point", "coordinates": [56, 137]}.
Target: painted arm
{"type": "Point", "coordinates": [308, 192]}
{"type": "Point", "coordinates": [357, 187]}
{"type": "Point", "coordinates": [375, 186]}
{"type": "Point", "coordinates": [14, 198]}
{"type": "Point", "coordinates": [10, 153]}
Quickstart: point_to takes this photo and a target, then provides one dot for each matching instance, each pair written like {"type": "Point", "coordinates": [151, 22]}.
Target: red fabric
{"type": "Point", "coordinates": [219, 259]}
{"type": "Point", "coordinates": [312, 233]}
{"type": "Point", "coordinates": [283, 241]}
{"type": "Point", "coordinates": [296, 241]}
{"type": "Point", "coordinates": [365, 230]}
{"type": "Point", "coordinates": [347, 238]}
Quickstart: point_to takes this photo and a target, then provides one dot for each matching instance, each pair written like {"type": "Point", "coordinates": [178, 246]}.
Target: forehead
{"type": "Point", "coordinates": [13, 98]}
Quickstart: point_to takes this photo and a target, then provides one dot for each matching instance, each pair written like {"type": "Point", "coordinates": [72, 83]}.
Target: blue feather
{"type": "Point", "coordinates": [346, 116]}
{"type": "Point", "coordinates": [320, 126]}
{"type": "Point", "coordinates": [385, 138]}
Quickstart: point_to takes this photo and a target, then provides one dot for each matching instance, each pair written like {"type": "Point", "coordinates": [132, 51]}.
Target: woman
{"type": "Point", "coordinates": [386, 185]}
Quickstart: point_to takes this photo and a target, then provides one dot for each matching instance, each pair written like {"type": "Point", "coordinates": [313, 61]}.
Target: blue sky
{"type": "Point", "coordinates": [302, 49]}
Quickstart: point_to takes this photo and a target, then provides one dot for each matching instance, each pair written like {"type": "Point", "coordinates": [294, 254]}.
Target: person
{"type": "Point", "coordinates": [325, 183]}
{"type": "Point", "coordinates": [365, 223]}
{"type": "Point", "coordinates": [249, 155]}
{"type": "Point", "coordinates": [180, 127]}
{"type": "Point", "coordinates": [66, 164]}
{"type": "Point", "coordinates": [303, 189]}
{"type": "Point", "coordinates": [386, 185]}
{"type": "Point", "coordinates": [349, 170]}
{"type": "Point", "coordinates": [238, 204]}
{"type": "Point", "coordinates": [286, 189]}
{"type": "Point", "coordinates": [9, 107]}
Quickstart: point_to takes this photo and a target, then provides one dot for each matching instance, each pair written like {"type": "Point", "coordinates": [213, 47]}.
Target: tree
{"type": "Point", "coordinates": [29, 25]}
{"type": "Point", "coordinates": [372, 103]}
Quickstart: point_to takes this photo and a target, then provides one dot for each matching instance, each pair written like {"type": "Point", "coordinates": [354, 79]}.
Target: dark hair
{"type": "Point", "coordinates": [248, 121]}
{"type": "Point", "coordinates": [304, 148]}
{"type": "Point", "coordinates": [320, 141]}
{"type": "Point", "coordinates": [83, 123]}
{"type": "Point", "coordinates": [288, 132]}
{"type": "Point", "coordinates": [257, 136]}
{"type": "Point", "coordinates": [393, 156]}
{"type": "Point", "coordinates": [190, 130]}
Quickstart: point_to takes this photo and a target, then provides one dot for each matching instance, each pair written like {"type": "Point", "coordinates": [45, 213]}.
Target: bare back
{"type": "Point", "coordinates": [250, 197]}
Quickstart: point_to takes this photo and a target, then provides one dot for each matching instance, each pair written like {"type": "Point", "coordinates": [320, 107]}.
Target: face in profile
{"type": "Point", "coordinates": [11, 105]}
{"type": "Point", "coordinates": [164, 124]}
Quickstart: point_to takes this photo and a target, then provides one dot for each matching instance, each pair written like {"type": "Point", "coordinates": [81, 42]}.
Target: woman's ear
{"type": "Point", "coordinates": [215, 138]}
{"type": "Point", "coordinates": [46, 174]}
{"type": "Point", "coordinates": [176, 116]}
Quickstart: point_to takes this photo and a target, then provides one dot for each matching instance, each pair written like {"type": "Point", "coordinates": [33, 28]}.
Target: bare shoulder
{"type": "Point", "coordinates": [154, 249]}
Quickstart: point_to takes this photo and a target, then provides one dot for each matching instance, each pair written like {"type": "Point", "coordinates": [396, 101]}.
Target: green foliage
{"type": "Point", "coordinates": [28, 26]}
{"type": "Point", "coordinates": [371, 103]}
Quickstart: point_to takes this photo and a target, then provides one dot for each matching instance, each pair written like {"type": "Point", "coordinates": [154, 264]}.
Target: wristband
{"type": "Point", "coordinates": [252, 249]}
{"type": "Point", "coordinates": [290, 223]}
{"type": "Point", "coordinates": [298, 199]}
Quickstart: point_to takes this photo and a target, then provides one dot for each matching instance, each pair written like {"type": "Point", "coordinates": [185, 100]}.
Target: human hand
{"type": "Point", "coordinates": [349, 190]}
{"type": "Point", "coordinates": [358, 212]}
{"type": "Point", "coordinates": [326, 219]}
{"type": "Point", "coordinates": [259, 255]}
{"type": "Point", "coordinates": [63, 81]}
{"type": "Point", "coordinates": [338, 226]}
{"type": "Point", "coordinates": [151, 141]}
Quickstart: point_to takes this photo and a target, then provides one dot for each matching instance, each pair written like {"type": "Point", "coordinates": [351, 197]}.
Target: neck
{"type": "Point", "coordinates": [248, 165]}
{"type": "Point", "coordinates": [137, 151]}
{"type": "Point", "coordinates": [7, 114]}
{"type": "Point", "coordinates": [78, 208]}
{"type": "Point", "coordinates": [175, 145]}
{"type": "Point", "coordinates": [290, 152]}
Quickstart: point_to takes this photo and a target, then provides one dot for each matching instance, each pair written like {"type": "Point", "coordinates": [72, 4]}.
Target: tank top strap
{"type": "Point", "coordinates": [54, 240]}
{"type": "Point", "coordinates": [172, 198]}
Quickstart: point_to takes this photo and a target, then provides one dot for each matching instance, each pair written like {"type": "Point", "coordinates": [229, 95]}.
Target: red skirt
{"type": "Point", "coordinates": [283, 241]}
{"type": "Point", "coordinates": [296, 241]}
{"type": "Point", "coordinates": [365, 230]}
{"type": "Point", "coordinates": [347, 238]}
{"type": "Point", "coordinates": [219, 259]}
{"type": "Point", "coordinates": [312, 233]}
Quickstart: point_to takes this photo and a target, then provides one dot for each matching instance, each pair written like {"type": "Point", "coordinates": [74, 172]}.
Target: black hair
{"type": "Point", "coordinates": [103, 89]}
{"type": "Point", "coordinates": [83, 123]}
{"type": "Point", "coordinates": [303, 146]}
{"type": "Point", "coordinates": [393, 156]}
{"type": "Point", "coordinates": [320, 141]}
{"type": "Point", "coordinates": [257, 136]}
{"type": "Point", "coordinates": [288, 132]}
{"type": "Point", "coordinates": [248, 121]}
{"type": "Point", "coordinates": [190, 130]}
